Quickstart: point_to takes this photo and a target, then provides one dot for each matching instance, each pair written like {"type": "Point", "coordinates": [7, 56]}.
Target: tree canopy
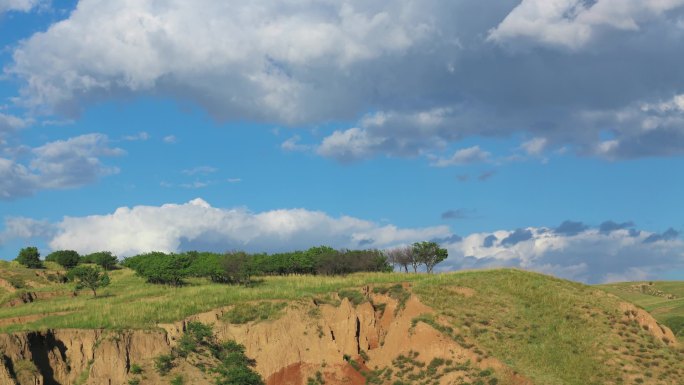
{"type": "Point", "coordinates": [30, 257]}
{"type": "Point", "coordinates": [89, 277]}
{"type": "Point", "coordinates": [67, 258]}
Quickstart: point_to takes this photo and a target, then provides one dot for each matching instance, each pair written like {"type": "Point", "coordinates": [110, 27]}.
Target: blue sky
{"type": "Point", "coordinates": [555, 129]}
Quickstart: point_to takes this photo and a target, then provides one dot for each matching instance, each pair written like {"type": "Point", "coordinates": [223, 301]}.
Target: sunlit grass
{"type": "Point", "coordinates": [130, 302]}
{"type": "Point", "coordinates": [668, 311]}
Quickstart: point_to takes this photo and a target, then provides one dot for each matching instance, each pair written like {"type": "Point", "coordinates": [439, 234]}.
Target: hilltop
{"type": "Point", "coordinates": [474, 327]}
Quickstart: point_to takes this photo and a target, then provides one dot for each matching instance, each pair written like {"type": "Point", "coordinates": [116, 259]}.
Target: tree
{"type": "Point", "coordinates": [401, 256]}
{"type": "Point", "coordinates": [429, 254]}
{"type": "Point", "coordinates": [89, 277]}
{"type": "Point", "coordinates": [158, 267]}
{"type": "Point", "coordinates": [30, 257]}
{"type": "Point", "coordinates": [103, 258]}
{"type": "Point", "coordinates": [67, 258]}
{"type": "Point", "coordinates": [237, 267]}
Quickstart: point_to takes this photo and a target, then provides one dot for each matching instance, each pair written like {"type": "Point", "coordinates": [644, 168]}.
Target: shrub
{"type": "Point", "coordinates": [163, 363]}
{"type": "Point", "coordinates": [178, 380]}
{"type": "Point", "coordinates": [16, 282]}
{"type": "Point", "coordinates": [67, 258]}
{"type": "Point", "coordinates": [196, 335]}
{"type": "Point", "coordinates": [136, 369]}
{"type": "Point", "coordinates": [104, 259]}
{"type": "Point", "coordinates": [30, 257]}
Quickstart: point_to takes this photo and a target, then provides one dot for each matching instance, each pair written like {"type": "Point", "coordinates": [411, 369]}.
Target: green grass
{"type": "Point", "coordinates": [667, 311]}
{"type": "Point", "coordinates": [551, 330]}
{"type": "Point", "coordinates": [243, 313]}
{"type": "Point", "coordinates": [554, 331]}
{"type": "Point", "coordinates": [131, 303]}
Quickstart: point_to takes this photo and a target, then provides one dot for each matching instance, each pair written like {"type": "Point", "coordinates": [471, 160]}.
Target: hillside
{"type": "Point", "coordinates": [476, 327]}
{"type": "Point", "coordinates": [664, 300]}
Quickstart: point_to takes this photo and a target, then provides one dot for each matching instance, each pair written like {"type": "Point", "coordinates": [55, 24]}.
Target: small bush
{"type": "Point", "coordinates": [16, 282]}
{"type": "Point", "coordinates": [178, 380]}
{"type": "Point", "coordinates": [163, 363]}
{"type": "Point", "coordinates": [135, 369]}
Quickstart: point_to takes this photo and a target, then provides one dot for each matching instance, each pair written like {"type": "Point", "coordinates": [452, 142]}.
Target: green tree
{"type": "Point", "coordinates": [428, 254]}
{"type": "Point", "coordinates": [89, 277]}
{"type": "Point", "coordinates": [67, 258]}
{"type": "Point", "coordinates": [237, 267]}
{"type": "Point", "coordinates": [103, 258]}
{"type": "Point", "coordinates": [158, 267]}
{"type": "Point", "coordinates": [30, 257]}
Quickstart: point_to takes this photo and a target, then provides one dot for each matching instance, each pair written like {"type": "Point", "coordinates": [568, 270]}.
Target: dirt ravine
{"type": "Point", "coordinates": [308, 339]}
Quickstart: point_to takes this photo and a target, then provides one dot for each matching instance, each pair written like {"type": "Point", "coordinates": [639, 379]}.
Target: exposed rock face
{"type": "Point", "coordinates": [308, 340]}
{"type": "Point", "coordinates": [62, 356]}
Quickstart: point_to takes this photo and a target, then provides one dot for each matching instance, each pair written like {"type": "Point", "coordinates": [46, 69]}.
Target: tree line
{"type": "Point", "coordinates": [239, 267]}
{"type": "Point", "coordinates": [79, 268]}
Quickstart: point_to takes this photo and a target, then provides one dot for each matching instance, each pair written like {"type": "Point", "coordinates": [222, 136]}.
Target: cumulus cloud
{"type": "Point", "coordinates": [463, 156]}
{"type": "Point", "coordinates": [608, 227]}
{"type": "Point", "coordinates": [574, 23]}
{"type": "Point", "coordinates": [25, 228]}
{"type": "Point", "coordinates": [421, 77]}
{"type": "Point", "coordinates": [292, 144]}
{"type": "Point", "coordinates": [197, 225]}
{"type": "Point", "coordinates": [570, 228]}
{"type": "Point", "coordinates": [609, 252]}
{"type": "Point", "coordinates": [57, 165]}
{"type": "Point", "coordinates": [590, 255]}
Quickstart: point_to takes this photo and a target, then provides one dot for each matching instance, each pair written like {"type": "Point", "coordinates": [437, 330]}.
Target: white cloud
{"type": "Point", "coordinates": [10, 124]}
{"type": "Point", "coordinates": [197, 225]}
{"type": "Point", "coordinates": [25, 228]}
{"type": "Point", "coordinates": [349, 145]}
{"type": "Point", "coordinates": [292, 144]}
{"type": "Point", "coordinates": [609, 252]}
{"type": "Point", "coordinates": [573, 23]}
{"type": "Point", "coordinates": [421, 72]}
{"type": "Point", "coordinates": [242, 59]}
{"type": "Point", "coordinates": [18, 5]}
{"type": "Point", "coordinates": [534, 146]}
{"type": "Point", "coordinates": [464, 156]}
{"type": "Point", "coordinates": [170, 139]}
{"type": "Point", "coordinates": [57, 165]}
{"type": "Point", "coordinates": [589, 256]}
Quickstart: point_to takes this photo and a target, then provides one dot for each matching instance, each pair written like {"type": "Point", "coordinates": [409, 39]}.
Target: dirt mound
{"type": "Point", "coordinates": [648, 323]}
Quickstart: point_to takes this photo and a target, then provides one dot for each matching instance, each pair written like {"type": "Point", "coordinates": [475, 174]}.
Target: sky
{"type": "Point", "coordinates": [541, 134]}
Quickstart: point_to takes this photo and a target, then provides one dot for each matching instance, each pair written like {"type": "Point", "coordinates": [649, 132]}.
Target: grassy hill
{"type": "Point", "coordinates": [549, 330]}
{"type": "Point", "coordinates": [664, 300]}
